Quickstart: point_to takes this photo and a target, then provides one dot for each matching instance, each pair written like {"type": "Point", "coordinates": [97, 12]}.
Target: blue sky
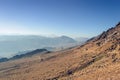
{"type": "Point", "coordinates": [74, 18]}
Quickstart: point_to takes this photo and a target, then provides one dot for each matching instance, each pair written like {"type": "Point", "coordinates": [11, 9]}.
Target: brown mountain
{"type": "Point", "coordinates": [97, 59]}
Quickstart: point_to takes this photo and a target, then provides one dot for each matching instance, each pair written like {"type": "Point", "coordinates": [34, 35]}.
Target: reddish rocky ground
{"type": "Point", "coordinates": [97, 59]}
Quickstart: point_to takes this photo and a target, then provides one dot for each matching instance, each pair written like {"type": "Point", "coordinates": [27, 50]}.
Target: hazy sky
{"type": "Point", "coordinates": [74, 18]}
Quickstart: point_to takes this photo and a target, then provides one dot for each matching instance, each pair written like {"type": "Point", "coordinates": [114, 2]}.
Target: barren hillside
{"type": "Point", "coordinates": [97, 59]}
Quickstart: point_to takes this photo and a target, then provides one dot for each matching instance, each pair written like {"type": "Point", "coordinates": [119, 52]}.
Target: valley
{"type": "Point", "coordinates": [97, 59]}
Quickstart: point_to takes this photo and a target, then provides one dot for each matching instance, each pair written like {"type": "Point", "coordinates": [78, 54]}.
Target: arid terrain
{"type": "Point", "coordinates": [97, 59]}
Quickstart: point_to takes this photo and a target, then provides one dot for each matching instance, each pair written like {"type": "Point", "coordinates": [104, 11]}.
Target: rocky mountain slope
{"type": "Point", "coordinates": [97, 59]}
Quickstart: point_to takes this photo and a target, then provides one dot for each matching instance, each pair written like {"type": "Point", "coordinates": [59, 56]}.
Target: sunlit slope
{"type": "Point", "coordinates": [97, 59]}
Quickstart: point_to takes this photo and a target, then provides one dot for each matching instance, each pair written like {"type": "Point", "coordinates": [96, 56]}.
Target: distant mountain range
{"type": "Point", "coordinates": [27, 54]}
{"type": "Point", "coordinates": [22, 43]}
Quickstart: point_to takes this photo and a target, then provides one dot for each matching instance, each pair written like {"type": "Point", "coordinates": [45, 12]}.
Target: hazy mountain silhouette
{"type": "Point", "coordinates": [29, 54]}
{"type": "Point", "coordinates": [14, 44]}
{"type": "Point", "coordinates": [24, 55]}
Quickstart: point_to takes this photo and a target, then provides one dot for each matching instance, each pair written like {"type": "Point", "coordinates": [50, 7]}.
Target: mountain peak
{"type": "Point", "coordinates": [118, 24]}
{"type": "Point", "coordinates": [111, 34]}
{"type": "Point", "coordinates": [64, 36]}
